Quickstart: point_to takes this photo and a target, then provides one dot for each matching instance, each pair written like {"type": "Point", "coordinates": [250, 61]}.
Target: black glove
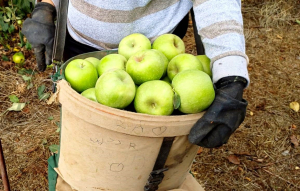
{"type": "Point", "coordinates": [40, 30]}
{"type": "Point", "coordinates": [224, 116]}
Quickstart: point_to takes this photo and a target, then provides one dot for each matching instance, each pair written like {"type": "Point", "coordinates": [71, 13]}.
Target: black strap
{"type": "Point", "coordinates": [60, 32]}
{"type": "Point", "coordinates": [59, 39]}
{"type": "Point", "coordinates": [157, 174]}
{"type": "Point", "coordinates": [198, 41]}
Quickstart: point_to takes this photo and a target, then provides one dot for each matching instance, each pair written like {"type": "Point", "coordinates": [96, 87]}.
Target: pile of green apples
{"type": "Point", "coordinates": [156, 78]}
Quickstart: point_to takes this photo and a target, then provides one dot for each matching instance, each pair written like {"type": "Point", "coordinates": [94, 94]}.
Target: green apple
{"type": "Point", "coordinates": [19, 22]}
{"type": "Point", "coordinates": [81, 75]}
{"type": "Point", "coordinates": [155, 98]}
{"type": "Point", "coordinates": [183, 62]}
{"type": "Point", "coordinates": [165, 60]}
{"type": "Point", "coordinates": [132, 44]}
{"type": "Point", "coordinates": [90, 94]}
{"type": "Point", "coordinates": [111, 61]}
{"type": "Point", "coordinates": [115, 88]}
{"type": "Point", "coordinates": [169, 44]}
{"type": "Point", "coordinates": [93, 60]}
{"type": "Point", "coordinates": [167, 79]}
{"type": "Point", "coordinates": [19, 58]}
{"type": "Point", "coordinates": [205, 61]}
{"type": "Point", "coordinates": [144, 66]}
{"type": "Point", "coordinates": [195, 90]}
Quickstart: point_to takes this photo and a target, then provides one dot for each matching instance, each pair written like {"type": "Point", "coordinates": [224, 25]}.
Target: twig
{"type": "Point", "coordinates": [281, 178]}
{"type": "Point", "coordinates": [3, 170]}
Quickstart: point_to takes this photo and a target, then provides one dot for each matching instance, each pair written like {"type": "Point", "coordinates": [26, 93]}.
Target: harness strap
{"type": "Point", "coordinates": [157, 174]}
{"type": "Point", "coordinates": [59, 39]}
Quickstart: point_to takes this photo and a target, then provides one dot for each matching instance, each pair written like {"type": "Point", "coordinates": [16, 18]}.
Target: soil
{"type": "Point", "coordinates": [263, 154]}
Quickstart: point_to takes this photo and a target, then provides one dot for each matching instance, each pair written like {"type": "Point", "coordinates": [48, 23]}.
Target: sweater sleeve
{"type": "Point", "coordinates": [56, 2]}
{"type": "Point", "coordinates": [220, 26]}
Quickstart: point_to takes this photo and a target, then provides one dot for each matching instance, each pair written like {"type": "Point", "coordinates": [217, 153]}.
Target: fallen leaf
{"type": "Point", "coordinates": [294, 140]}
{"type": "Point", "coordinates": [251, 113]}
{"type": "Point", "coordinates": [294, 127]}
{"type": "Point", "coordinates": [26, 110]}
{"type": "Point", "coordinates": [278, 36]}
{"type": "Point", "coordinates": [16, 49]}
{"type": "Point", "coordinates": [44, 96]}
{"type": "Point", "coordinates": [54, 97]}
{"type": "Point", "coordinates": [54, 148]}
{"type": "Point", "coordinates": [200, 150]}
{"type": "Point", "coordinates": [285, 153]}
{"type": "Point", "coordinates": [297, 168]}
{"type": "Point", "coordinates": [13, 98]}
{"type": "Point", "coordinates": [26, 78]}
{"type": "Point", "coordinates": [4, 57]}
{"type": "Point", "coordinates": [294, 106]}
{"type": "Point", "coordinates": [16, 107]}
{"type": "Point", "coordinates": [234, 159]}
{"type": "Point", "coordinates": [24, 71]}
{"type": "Point", "coordinates": [247, 178]}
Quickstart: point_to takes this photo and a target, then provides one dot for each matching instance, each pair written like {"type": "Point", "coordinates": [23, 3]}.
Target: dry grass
{"type": "Point", "coordinates": [268, 159]}
{"type": "Point", "coordinates": [24, 134]}
{"type": "Point", "coordinates": [272, 13]}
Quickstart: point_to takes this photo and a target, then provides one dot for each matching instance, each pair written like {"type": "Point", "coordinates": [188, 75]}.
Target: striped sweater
{"type": "Point", "coordinates": [102, 24]}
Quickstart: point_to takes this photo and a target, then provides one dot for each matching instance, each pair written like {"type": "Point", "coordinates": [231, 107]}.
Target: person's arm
{"type": "Point", "coordinates": [220, 26]}
{"type": "Point", "coordinates": [39, 31]}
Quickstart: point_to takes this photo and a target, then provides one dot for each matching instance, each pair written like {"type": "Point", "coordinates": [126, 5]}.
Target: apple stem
{"type": "Point", "coordinates": [153, 105]}
{"type": "Point", "coordinates": [81, 65]}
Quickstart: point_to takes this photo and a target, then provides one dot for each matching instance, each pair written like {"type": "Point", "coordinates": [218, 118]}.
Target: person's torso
{"type": "Point", "coordinates": [103, 25]}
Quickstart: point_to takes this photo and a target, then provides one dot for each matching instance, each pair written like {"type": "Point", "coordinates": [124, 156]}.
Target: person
{"type": "Point", "coordinates": [100, 25]}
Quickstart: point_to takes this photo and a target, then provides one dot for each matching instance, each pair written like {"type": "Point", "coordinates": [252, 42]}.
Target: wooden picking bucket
{"type": "Point", "coordinates": [103, 148]}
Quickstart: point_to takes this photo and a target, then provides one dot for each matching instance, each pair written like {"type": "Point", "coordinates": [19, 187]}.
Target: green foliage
{"type": "Point", "coordinates": [9, 15]}
{"type": "Point", "coordinates": [54, 148]}
{"type": "Point", "coordinates": [23, 6]}
{"type": "Point", "coordinates": [13, 98]}
{"type": "Point", "coordinates": [5, 58]}
{"type": "Point", "coordinates": [41, 94]}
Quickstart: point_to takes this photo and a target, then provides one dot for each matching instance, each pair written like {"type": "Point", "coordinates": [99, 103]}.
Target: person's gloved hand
{"type": "Point", "coordinates": [224, 116]}
{"type": "Point", "coordinates": [39, 31]}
